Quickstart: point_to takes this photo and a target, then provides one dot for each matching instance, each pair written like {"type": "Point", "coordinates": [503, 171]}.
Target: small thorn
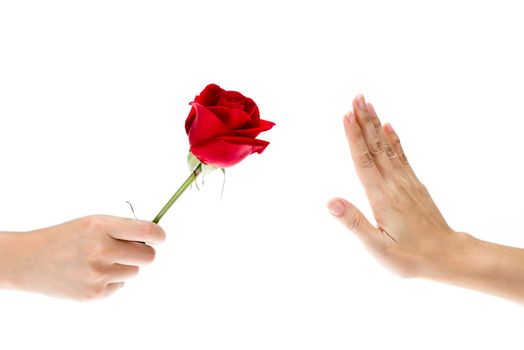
{"type": "Point", "coordinates": [223, 183]}
{"type": "Point", "coordinates": [132, 209]}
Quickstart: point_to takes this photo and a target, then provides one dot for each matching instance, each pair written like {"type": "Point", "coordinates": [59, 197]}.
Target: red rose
{"type": "Point", "coordinates": [223, 125]}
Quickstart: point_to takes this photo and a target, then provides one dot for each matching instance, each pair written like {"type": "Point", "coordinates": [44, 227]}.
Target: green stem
{"type": "Point", "coordinates": [179, 192]}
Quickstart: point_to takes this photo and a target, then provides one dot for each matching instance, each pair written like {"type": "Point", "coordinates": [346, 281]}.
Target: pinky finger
{"type": "Point", "coordinates": [397, 146]}
{"type": "Point", "coordinates": [113, 287]}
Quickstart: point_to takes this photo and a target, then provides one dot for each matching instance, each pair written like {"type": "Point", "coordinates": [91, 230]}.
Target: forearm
{"type": "Point", "coordinates": [487, 267]}
{"type": "Point", "coordinates": [12, 247]}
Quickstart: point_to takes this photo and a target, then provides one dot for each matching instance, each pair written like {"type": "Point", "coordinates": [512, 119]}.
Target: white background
{"type": "Point", "coordinates": [93, 97]}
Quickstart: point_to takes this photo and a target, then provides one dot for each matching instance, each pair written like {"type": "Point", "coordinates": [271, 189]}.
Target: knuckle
{"type": "Point", "coordinates": [376, 123]}
{"type": "Point", "coordinates": [366, 160]}
{"type": "Point", "coordinates": [94, 250]}
{"type": "Point", "coordinates": [366, 116]}
{"type": "Point", "coordinates": [357, 132]}
{"type": "Point", "coordinates": [396, 141]}
{"type": "Point", "coordinates": [403, 158]}
{"type": "Point", "coordinates": [95, 275]}
{"type": "Point", "coordinates": [377, 147]}
{"type": "Point", "coordinates": [390, 151]}
{"type": "Point", "coordinates": [93, 223]}
{"type": "Point", "coordinates": [93, 292]}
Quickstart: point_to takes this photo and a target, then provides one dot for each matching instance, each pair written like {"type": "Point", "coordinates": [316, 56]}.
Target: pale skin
{"type": "Point", "coordinates": [92, 257]}
{"type": "Point", "coordinates": [84, 259]}
{"type": "Point", "coordinates": [411, 237]}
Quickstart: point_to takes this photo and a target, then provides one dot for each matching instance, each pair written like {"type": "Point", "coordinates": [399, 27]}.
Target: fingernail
{"type": "Point", "coordinates": [336, 207]}
{"type": "Point", "coordinates": [371, 108]}
{"type": "Point", "coordinates": [390, 128]}
{"type": "Point", "coordinates": [361, 102]}
{"type": "Point", "coordinates": [350, 118]}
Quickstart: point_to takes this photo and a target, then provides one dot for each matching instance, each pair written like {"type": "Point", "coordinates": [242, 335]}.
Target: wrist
{"type": "Point", "coordinates": [7, 252]}
{"type": "Point", "coordinates": [453, 259]}
{"type": "Point", "coordinates": [483, 266]}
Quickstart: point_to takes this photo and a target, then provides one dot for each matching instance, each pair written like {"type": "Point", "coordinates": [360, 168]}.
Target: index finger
{"type": "Point", "coordinates": [364, 164]}
{"type": "Point", "coordinates": [135, 230]}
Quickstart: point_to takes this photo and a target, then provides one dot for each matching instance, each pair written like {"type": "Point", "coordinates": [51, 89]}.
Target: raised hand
{"type": "Point", "coordinates": [410, 232]}
{"type": "Point", "coordinates": [410, 235]}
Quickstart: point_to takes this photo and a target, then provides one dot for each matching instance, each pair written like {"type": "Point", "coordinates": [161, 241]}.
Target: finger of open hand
{"type": "Point", "coordinates": [390, 151]}
{"type": "Point", "coordinates": [362, 159]}
{"type": "Point", "coordinates": [397, 146]}
{"type": "Point", "coordinates": [351, 217]}
{"type": "Point", "coordinates": [374, 143]}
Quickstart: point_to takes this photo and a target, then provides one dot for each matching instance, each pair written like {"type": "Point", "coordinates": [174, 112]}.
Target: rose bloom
{"type": "Point", "coordinates": [223, 125]}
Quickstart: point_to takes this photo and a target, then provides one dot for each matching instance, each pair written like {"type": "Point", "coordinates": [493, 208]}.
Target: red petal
{"type": "Point", "coordinates": [252, 110]}
{"type": "Point", "coordinates": [206, 98]}
{"type": "Point", "coordinates": [205, 126]}
{"type": "Point", "coordinates": [231, 99]}
{"type": "Point", "coordinates": [253, 132]}
{"type": "Point", "coordinates": [227, 151]}
{"type": "Point", "coordinates": [236, 100]}
{"type": "Point", "coordinates": [232, 118]}
{"type": "Point", "coordinates": [190, 119]}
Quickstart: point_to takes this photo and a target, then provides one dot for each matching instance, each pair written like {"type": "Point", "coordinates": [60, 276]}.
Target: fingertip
{"type": "Point", "coordinates": [350, 117]}
{"type": "Point", "coordinates": [336, 207]}
{"type": "Point", "coordinates": [111, 288]}
{"type": "Point", "coordinates": [160, 234]}
{"type": "Point", "coordinates": [161, 230]}
{"type": "Point", "coordinates": [346, 116]}
{"type": "Point", "coordinates": [150, 256]}
{"type": "Point", "coordinates": [155, 233]}
{"type": "Point", "coordinates": [359, 101]}
{"type": "Point", "coordinates": [388, 128]}
{"type": "Point", "coordinates": [354, 103]}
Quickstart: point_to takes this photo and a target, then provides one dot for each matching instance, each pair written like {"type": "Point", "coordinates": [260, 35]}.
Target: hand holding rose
{"type": "Point", "coordinates": [83, 259]}
{"type": "Point", "coordinates": [91, 257]}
